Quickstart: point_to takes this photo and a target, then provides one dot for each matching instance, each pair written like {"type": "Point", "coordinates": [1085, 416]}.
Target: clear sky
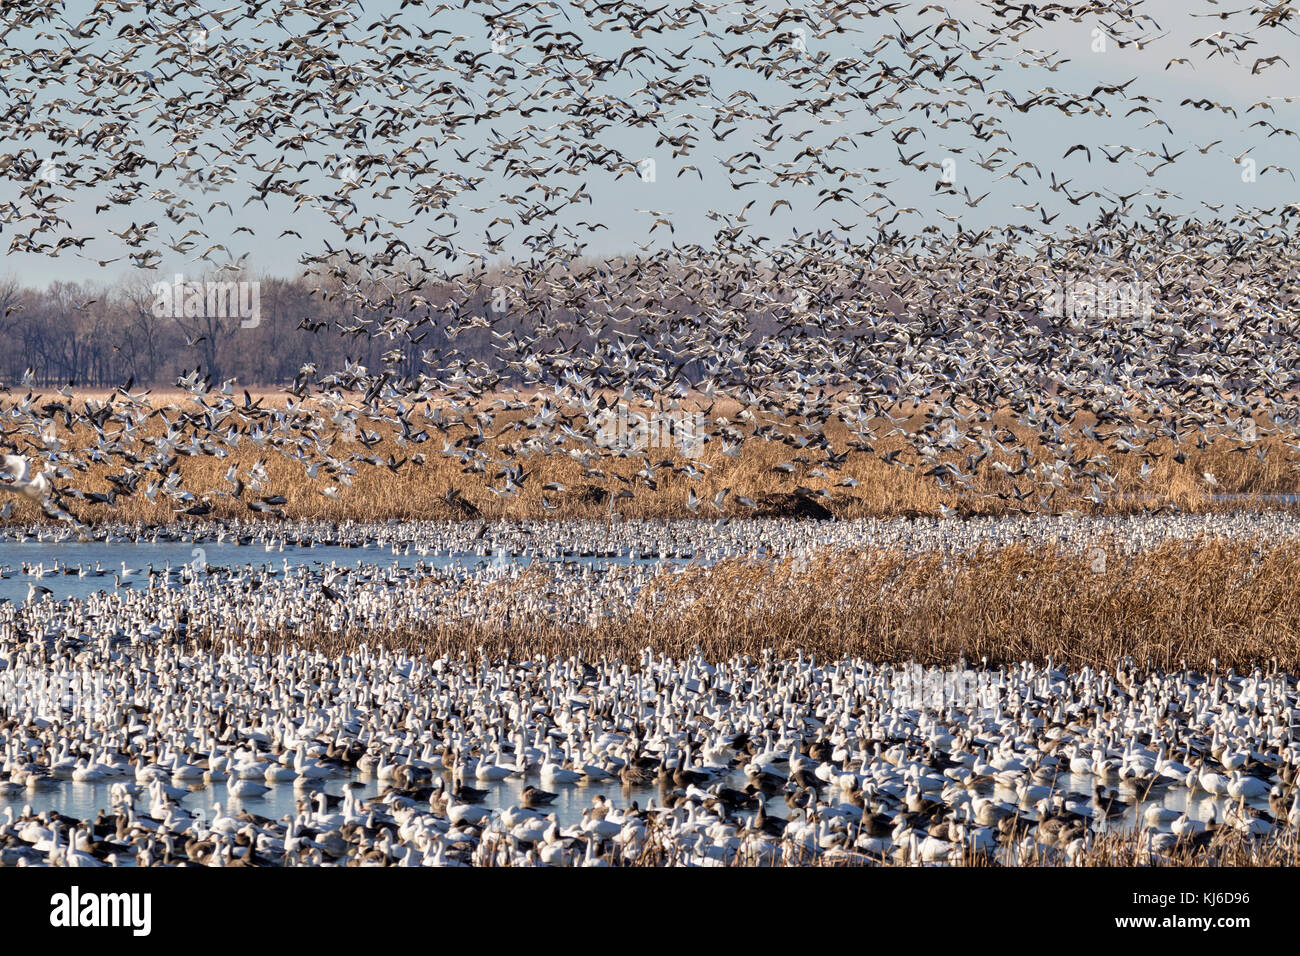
{"type": "Point", "coordinates": [627, 207]}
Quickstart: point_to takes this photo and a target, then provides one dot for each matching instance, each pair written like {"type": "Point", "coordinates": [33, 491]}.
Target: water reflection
{"type": "Point", "coordinates": [77, 569]}
{"type": "Point", "coordinates": [83, 800]}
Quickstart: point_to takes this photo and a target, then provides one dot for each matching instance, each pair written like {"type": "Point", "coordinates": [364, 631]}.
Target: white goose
{"type": "Point", "coordinates": [16, 475]}
{"type": "Point", "coordinates": [307, 769]}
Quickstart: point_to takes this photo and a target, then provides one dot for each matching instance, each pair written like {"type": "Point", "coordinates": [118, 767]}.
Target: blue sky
{"type": "Point", "coordinates": [628, 206]}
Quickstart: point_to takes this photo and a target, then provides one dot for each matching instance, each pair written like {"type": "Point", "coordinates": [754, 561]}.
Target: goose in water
{"type": "Point", "coordinates": [1185, 826]}
{"type": "Point", "coordinates": [490, 767]}
{"type": "Point", "coordinates": [308, 769]}
{"type": "Point", "coordinates": [533, 797]}
{"type": "Point", "coordinates": [1244, 787]}
{"type": "Point", "coordinates": [87, 770]}
{"type": "Point", "coordinates": [553, 773]}
{"type": "Point", "coordinates": [246, 789]}
{"type": "Point", "coordinates": [849, 767]}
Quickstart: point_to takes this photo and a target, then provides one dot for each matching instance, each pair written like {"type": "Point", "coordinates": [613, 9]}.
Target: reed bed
{"type": "Point", "coordinates": [415, 491]}
{"type": "Point", "coordinates": [1208, 604]}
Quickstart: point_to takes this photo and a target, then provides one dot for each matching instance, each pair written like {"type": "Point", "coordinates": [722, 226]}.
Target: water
{"type": "Point", "coordinates": [83, 800]}
{"type": "Point", "coordinates": [100, 560]}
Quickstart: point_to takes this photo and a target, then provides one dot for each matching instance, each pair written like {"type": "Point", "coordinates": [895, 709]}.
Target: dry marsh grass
{"type": "Point", "coordinates": [1208, 605]}
{"type": "Point", "coordinates": [1116, 848]}
{"type": "Point", "coordinates": [419, 491]}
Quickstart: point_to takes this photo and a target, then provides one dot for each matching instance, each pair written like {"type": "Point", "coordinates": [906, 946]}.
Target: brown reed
{"type": "Point", "coordinates": [419, 491]}
{"type": "Point", "coordinates": [1204, 604]}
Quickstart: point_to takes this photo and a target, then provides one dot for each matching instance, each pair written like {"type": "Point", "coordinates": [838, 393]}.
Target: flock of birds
{"type": "Point", "coordinates": [336, 111]}
{"type": "Point", "coordinates": [745, 761]}
{"type": "Point", "coordinates": [639, 540]}
{"type": "Point", "coordinates": [195, 697]}
{"type": "Point", "coordinates": [1144, 333]}
{"type": "Point", "coordinates": [315, 577]}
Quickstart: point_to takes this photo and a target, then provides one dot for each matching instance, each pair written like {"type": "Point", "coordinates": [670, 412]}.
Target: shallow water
{"type": "Point", "coordinates": [110, 558]}
{"type": "Point", "coordinates": [83, 800]}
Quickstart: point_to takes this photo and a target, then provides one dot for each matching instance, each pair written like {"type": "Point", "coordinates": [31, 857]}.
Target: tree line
{"type": "Point", "coordinates": [95, 335]}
